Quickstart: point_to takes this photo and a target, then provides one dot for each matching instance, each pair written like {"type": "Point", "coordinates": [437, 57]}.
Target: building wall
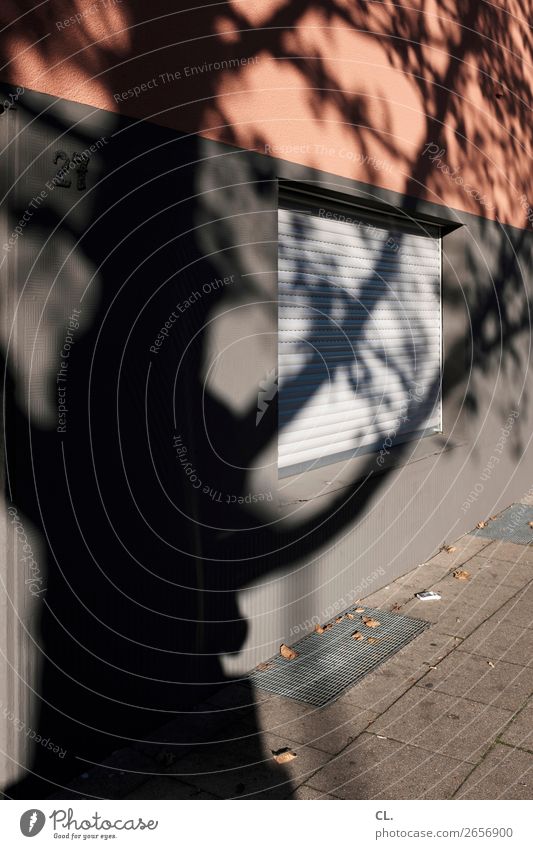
{"type": "Point", "coordinates": [355, 89]}
{"type": "Point", "coordinates": [157, 589]}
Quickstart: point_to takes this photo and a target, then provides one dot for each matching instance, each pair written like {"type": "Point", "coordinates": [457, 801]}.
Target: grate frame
{"type": "Point", "coordinates": [331, 663]}
{"type": "Point", "coordinates": [511, 525]}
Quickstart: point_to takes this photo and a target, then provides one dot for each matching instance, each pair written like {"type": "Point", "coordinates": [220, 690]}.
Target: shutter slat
{"type": "Point", "coordinates": [337, 425]}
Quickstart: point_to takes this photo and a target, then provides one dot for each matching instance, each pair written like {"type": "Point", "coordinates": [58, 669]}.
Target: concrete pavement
{"type": "Point", "coordinates": [449, 716]}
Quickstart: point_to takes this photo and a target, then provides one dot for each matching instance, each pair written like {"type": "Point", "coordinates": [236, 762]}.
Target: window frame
{"type": "Point", "coordinates": [306, 198]}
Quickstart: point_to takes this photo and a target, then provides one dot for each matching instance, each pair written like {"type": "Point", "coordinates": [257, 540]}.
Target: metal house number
{"type": "Point", "coordinates": [78, 162]}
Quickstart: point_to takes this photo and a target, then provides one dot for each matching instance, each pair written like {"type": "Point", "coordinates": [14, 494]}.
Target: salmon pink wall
{"type": "Point", "coordinates": [431, 98]}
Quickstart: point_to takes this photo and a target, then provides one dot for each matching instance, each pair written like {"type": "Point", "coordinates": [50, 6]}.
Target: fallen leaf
{"type": "Point", "coordinates": [357, 635]}
{"type": "Point", "coordinates": [338, 619]}
{"type": "Point", "coordinates": [449, 548]}
{"type": "Point", "coordinates": [287, 652]}
{"type": "Point", "coordinates": [373, 640]}
{"type": "Point", "coordinates": [319, 629]}
{"type": "Point", "coordinates": [490, 663]}
{"type": "Point", "coordinates": [328, 627]}
{"type": "Point", "coordinates": [283, 756]}
{"type": "Point", "coordinates": [481, 525]}
{"type": "Point", "coordinates": [262, 666]}
{"type": "Point", "coordinates": [395, 607]}
{"type": "Point", "coordinates": [530, 524]}
{"type": "Point", "coordinates": [349, 616]}
{"type": "Point", "coordinates": [359, 609]}
{"type": "Point", "coordinates": [461, 575]}
{"type": "Point", "coordinates": [492, 518]}
{"type": "Point", "coordinates": [370, 622]}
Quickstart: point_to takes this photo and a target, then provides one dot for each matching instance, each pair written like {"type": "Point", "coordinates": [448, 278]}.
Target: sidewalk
{"type": "Point", "coordinates": [449, 716]}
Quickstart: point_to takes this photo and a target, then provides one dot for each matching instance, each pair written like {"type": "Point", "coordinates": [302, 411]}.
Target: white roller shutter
{"type": "Point", "coordinates": [359, 352]}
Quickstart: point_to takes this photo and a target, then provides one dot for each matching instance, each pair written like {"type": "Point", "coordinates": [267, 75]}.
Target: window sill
{"type": "Point", "coordinates": [326, 480]}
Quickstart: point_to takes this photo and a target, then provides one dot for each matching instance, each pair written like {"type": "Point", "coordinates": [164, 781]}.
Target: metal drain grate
{"type": "Point", "coordinates": [332, 662]}
{"type": "Point", "coordinates": [512, 525]}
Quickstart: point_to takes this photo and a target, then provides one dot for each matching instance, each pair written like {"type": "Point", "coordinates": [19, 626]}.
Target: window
{"type": "Point", "coordinates": [359, 344]}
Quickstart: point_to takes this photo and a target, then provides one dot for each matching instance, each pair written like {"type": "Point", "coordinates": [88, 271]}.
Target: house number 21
{"type": "Point", "coordinates": [78, 162]}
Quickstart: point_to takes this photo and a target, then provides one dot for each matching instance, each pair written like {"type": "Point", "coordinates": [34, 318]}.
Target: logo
{"type": "Point", "coordinates": [32, 822]}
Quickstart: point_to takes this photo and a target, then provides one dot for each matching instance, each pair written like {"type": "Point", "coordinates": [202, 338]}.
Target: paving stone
{"type": "Point", "coordinates": [246, 768]}
{"type": "Point", "coordinates": [305, 792]}
{"type": "Point", "coordinates": [496, 572]}
{"type": "Point", "coordinates": [470, 676]}
{"type": "Point", "coordinates": [520, 731]}
{"type": "Point", "coordinates": [498, 639]}
{"type": "Point", "coordinates": [276, 713]}
{"type": "Point", "coordinates": [117, 776]}
{"type": "Point", "coordinates": [425, 574]}
{"type": "Point", "coordinates": [466, 547]}
{"type": "Point", "coordinates": [238, 695]}
{"type": "Point", "coordinates": [455, 616]}
{"type": "Point", "coordinates": [236, 702]}
{"type": "Point", "coordinates": [442, 723]}
{"type": "Point", "coordinates": [175, 738]}
{"type": "Point", "coordinates": [329, 729]}
{"type": "Point", "coordinates": [428, 648]}
{"type": "Point", "coordinates": [504, 773]}
{"type": "Point", "coordinates": [403, 589]}
{"type": "Point", "coordinates": [372, 768]}
{"type": "Point", "coordinates": [456, 619]}
{"type": "Point", "coordinates": [478, 590]}
{"type": "Point", "coordinates": [387, 597]}
{"type": "Point", "coordinates": [519, 610]}
{"type": "Point", "coordinates": [168, 788]}
{"type": "Point", "coordinates": [509, 551]}
{"type": "Point", "coordinates": [378, 690]}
